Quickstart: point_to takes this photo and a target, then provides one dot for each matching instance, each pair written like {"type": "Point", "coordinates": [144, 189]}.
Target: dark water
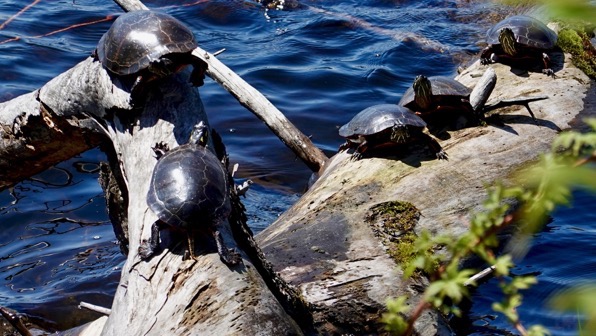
{"type": "Point", "coordinates": [319, 65]}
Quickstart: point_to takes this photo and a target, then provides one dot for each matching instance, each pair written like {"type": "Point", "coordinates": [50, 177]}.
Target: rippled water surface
{"type": "Point", "coordinates": [319, 64]}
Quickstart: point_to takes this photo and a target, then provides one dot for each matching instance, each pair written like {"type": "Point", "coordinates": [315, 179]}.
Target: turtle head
{"type": "Point", "coordinates": [422, 91]}
{"type": "Point", "coordinates": [199, 135]}
{"type": "Point", "coordinates": [507, 41]}
{"type": "Point", "coordinates": [399, 133]}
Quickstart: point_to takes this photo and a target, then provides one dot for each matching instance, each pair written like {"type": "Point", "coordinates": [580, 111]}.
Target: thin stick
{"type": "Point", "coordinates": [16, 38]}
{"type": "Point", "coordinates": [15, 320]}
{"type": "Point", "coordinates": [95, 308]}
{"type": "Point", "coordinates": [515, 101]}
{"type": "Point", "coordinates": [480, 275]}
{"type": "Point", "coordinates": [5, 23]}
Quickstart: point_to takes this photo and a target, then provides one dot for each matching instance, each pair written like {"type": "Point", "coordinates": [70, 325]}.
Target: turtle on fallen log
{"type": "Point", "coordinates": [520, 39]}
{"type": "Point", "coordinates": [440, 98]}
{"type": "Point", "coordinates": [384, 125]}
{"type": "Point", "coordinates": [190, 192]}
{"type": "Point", "coordinates": [145, 45]}
{"type": "Point", "coordinates": [441, 101]}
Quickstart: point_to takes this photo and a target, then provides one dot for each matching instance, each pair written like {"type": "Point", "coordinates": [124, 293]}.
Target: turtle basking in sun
{"type": "Point", "coordinates": [519, 39]}
{"type": "Point", "coordinates": [146, 45]}
{"type": "Point", "coordinates": [386, 125]}
{"type": "Point", "coordinates": [438, 95]}
{"type": "Point", "coordinates": [190, 193]}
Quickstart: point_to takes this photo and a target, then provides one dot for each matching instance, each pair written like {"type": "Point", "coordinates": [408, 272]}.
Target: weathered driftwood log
{"type": "Point", "coordinates": [329, 243]}
{"type": "Point", "coordinates": [35, 137]}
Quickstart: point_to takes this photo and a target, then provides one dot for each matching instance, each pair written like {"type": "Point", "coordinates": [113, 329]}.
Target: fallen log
{"type": "Point", "coordinates": [333, 244]}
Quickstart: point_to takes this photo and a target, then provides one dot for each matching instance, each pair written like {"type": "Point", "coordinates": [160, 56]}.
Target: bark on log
{"type": "Point", "coordinates": [35, 137]}
{"type": "Point", "coordinates": [327, 243]}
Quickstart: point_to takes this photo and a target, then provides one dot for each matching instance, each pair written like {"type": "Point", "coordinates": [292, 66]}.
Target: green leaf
{"type": "Point", "coordinates": [502, 265]}
{"type": "Point", "coordinates": [538, 330]}
{"type": "Point", "coordinates": [394, 322]}
{"type": "Point", "coordinates": [579, 300]}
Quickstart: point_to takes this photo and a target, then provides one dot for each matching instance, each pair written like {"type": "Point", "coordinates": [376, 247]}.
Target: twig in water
{"type": "Point", "coordinates": [95, 308]}
{"type": "Point", "coordinates": [5, 23]}
{"type": "Point", "coordinates": [485, 272]}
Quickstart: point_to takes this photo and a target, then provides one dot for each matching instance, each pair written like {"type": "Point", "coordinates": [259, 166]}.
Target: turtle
{"type": "Point", "coordinates": [517, 39]}
{"type": "Point", "coordinates": [386, 124]}
{"type": "Point", "coordinates": [145, 45]}
{"type": "Point", "coordinates": [190, 193]}
{"type": "Point", "coordinates": [430, 96]}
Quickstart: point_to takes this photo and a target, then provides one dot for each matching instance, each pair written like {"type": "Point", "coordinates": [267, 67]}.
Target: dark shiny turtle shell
{"type": "Point", "coordinates": [442, 87]}
{"type": "Point", "coordinates": [189, 187]}
{"type": "Point", "coordinates": [527, 30]}
{"type": "Point", "coordinates": [378, 118]}
{"type": "Point", "coordinates": [137, 38]}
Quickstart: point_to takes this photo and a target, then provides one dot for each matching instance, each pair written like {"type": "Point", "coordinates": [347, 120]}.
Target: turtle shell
{"type": "Point", "coordinates": [440, 86]}
{"type": "Point", "coordinates": [137, 38]}
{"type": "Point", "coordinates": [527, 30]}
{"type": "Point", "coordinates": [189, 187]}
{"type": "Point", "coordinates": [378, 118]}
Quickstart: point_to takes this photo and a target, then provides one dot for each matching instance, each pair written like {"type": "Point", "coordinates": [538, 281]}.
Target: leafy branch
{"type": "Point", "coordinates": [546, 185]}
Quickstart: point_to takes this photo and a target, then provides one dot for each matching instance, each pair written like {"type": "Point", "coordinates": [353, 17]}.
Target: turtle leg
{"type": "Point", "coordinates": [359, 151]}
{"type": "Point", "coordinates": [199, 68]}
{"type": "Point", "coordinates": [191, 245]}
{"type": "Point", "coordinates": [476, 118]}
{"type": "Point", "coordinates": [486, 55]}
{"type": "Point", "coordinates": [435, 147]}
{"type": "Point", "coordinates": [137, 91]}
{"type": "Point", "coordinates": [228, 256]}
{"type": "Point", "coordinates": [546, 69]}
{"type": "Point", "coordinates": [344, 146]}
{"type": "Point", "coordinates": [160, 149]}
{"type": "Point", "coordinates": [148, 248]}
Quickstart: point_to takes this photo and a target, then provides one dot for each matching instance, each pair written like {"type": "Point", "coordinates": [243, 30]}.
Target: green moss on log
{"type": "Point", "coordinates": [577, 43]}
{"type": "Point", "coordinates": [394, 223]}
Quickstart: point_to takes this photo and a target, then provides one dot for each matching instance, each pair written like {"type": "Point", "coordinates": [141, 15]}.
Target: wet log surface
{"type": "Point", "coordinates": [325, 243]}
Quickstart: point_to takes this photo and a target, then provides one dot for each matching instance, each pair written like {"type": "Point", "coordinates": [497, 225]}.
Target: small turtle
{"type": "Point", "coordinates": [189, 193]}
{"type": "Point", "coordinates": [386, 124]}
{"type": "Point", "coordinates": [149, 45]}
{"type": "Point", "coordinates": [519, 38]}
{"type": "Point", "coordinates": [437, 93]}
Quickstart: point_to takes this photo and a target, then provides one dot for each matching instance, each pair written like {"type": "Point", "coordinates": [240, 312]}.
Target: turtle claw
{"type": "Point", "coordinates": [147, 248]}
{"type": "Point", "coordinates": [241, 189]}
{"type": "Point", "coordinates": [485, 61]}
{"type": "Point", "coordinates": [356, 156]}
{"type": "Point", "coordinates": [442, 155]}
{"type": "Point", "coordinates": [549, 73]}
{"type": "Point", "coordinates": [145, 251]}
{"type": "Point", "coordinates": [160, 149]}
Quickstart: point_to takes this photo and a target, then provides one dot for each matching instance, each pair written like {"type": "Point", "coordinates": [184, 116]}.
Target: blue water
{"type": "Point", "coordinates": [319, 65]}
